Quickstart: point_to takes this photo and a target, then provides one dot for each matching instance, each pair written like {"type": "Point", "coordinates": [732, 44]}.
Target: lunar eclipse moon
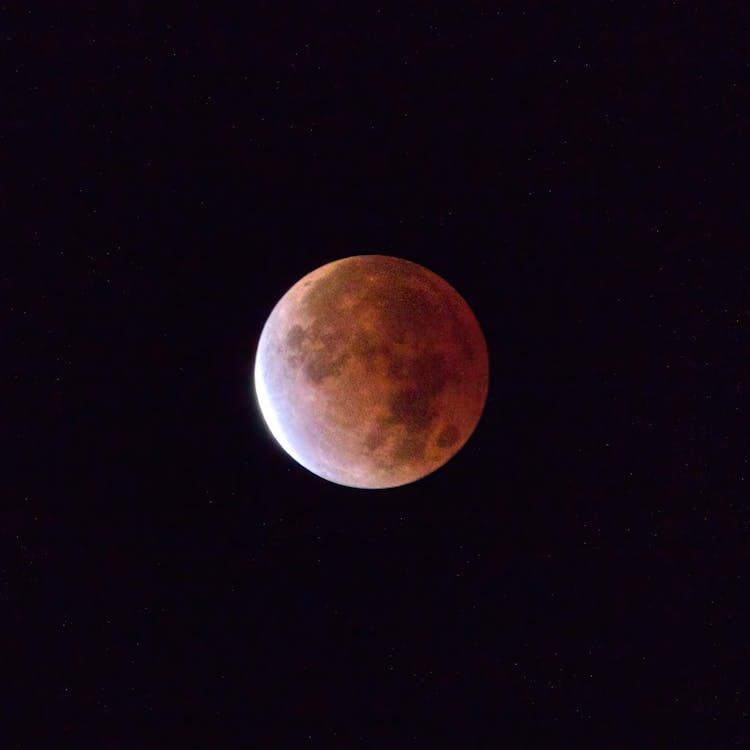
{"type": "Point", "coordinates": [371, 372]}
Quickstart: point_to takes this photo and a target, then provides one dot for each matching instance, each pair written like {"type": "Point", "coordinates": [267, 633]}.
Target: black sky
{"type": "Point", "coordinates": [577, 173]}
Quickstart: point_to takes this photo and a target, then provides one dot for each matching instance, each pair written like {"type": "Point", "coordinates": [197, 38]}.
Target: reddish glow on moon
{"type": "Point", "coordinates": [371, 371]}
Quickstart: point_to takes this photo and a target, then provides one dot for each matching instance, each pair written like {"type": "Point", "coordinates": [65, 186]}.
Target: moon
{"type": "Point", "coordinates": [371, 372]}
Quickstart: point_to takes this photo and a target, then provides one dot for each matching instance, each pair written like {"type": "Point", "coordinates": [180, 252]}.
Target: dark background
{"type": "Point", "coordinates": [581, 566]}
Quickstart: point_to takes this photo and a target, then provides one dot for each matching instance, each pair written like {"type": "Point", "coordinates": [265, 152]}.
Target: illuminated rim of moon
{"type": "Point", "coordinates": [270, 415]}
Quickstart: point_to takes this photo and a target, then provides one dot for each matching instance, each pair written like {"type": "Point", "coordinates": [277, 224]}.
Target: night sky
{"type": "Point", "coordinates": [169, 576]}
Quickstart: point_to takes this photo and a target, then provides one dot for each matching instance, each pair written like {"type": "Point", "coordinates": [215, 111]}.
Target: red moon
{"type": "Point", "coordinates": [371, 371]}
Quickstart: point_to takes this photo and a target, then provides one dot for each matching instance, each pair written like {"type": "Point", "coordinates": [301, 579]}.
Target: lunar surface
{"type": "Point", "coordinates": [371, 371]}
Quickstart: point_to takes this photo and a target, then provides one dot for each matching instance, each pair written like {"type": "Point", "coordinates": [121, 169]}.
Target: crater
{"type": "Point", "coordinates": [410, 449]}
{"type": "Point", "coordinates": [405, 311]}
{"type": "Point", "coordinates": [375, 439]}
{"type": "Point", "coordinates": [365, 345]}
{"type": "Point", "coordinates": [397, 369]}
{"type": "Point", "coordinates": [294, 337]}
{"type": "Point", "coordinates": [412, 407]}
{"type": "Point", "coordinates": [431, 372]}
{"type": "Point", "coordinates": [447, 437]}
{"type": "Point", "coordinates": [322, 365]}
